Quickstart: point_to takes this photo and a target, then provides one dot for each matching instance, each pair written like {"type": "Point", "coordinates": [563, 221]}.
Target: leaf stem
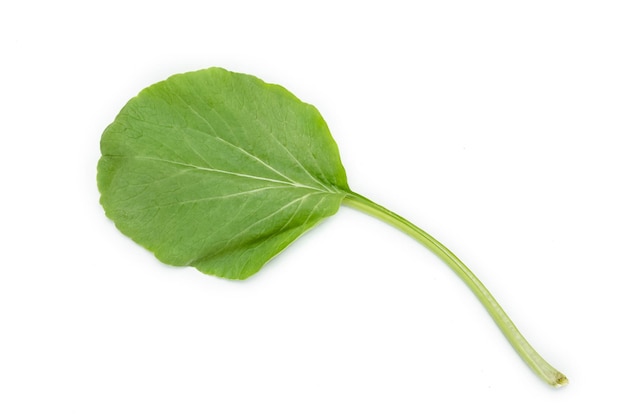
{"type": "Point", "coordinates": [544, 370]}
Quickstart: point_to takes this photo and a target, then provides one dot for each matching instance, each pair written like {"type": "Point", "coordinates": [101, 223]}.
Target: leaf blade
{"type": "Point", "coordinates": [218, 170]}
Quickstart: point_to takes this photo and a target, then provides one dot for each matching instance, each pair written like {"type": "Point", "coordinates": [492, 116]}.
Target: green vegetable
{"type": "Point", "coordinates": [221, 171]}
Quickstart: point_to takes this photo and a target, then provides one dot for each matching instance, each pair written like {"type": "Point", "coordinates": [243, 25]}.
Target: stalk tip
{"type": "Point", "coordinates": [561, 380]}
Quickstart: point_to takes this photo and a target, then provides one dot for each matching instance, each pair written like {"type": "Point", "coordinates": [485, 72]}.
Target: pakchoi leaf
{"type": "Point", "coordinates": [221, 171]}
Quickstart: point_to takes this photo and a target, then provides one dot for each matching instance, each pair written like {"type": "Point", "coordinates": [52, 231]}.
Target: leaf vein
{"type": "Point", "coordinates": [227, 172]}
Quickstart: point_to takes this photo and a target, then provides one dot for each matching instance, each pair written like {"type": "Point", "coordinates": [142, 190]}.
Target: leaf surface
{"type": "Point", "coordinates": [218, 170]}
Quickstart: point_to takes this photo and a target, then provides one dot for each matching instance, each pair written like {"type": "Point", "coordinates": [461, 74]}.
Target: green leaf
{"type": "Point", "coordinates": [222, 171]}
{"type": "Point", "coordinates": [218, 170]}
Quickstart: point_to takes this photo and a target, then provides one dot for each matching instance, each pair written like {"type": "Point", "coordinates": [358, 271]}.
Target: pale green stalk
{"type": "Point", "coordinates": [544, 370]}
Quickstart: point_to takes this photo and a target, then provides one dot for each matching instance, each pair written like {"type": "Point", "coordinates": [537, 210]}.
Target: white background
{"type": "Point", "coordinates": [497, 126]}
